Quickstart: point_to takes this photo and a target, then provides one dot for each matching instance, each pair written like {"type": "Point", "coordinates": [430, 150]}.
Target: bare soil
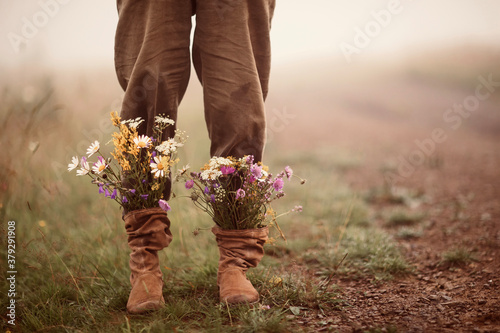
{"type": "Point", "coordinates": [458, 186]}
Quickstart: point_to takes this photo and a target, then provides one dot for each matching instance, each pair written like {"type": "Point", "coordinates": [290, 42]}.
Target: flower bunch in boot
{"type": "Point", "coordinates": [137, 174]}
{"type": "Point", "coordinates": [237, 194]}
{"type": "Point", "coordinates": [136, 178]}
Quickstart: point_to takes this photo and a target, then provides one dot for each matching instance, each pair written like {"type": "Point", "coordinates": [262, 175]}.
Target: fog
{"type": "Point", "coordinates": [71, 33]}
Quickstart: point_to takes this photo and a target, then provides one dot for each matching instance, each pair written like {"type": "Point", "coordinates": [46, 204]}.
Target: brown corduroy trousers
{"type": "Point", "coordinates": [231, 55]}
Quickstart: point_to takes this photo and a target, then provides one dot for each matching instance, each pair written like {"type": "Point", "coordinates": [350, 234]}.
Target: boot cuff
{"type": "Point", "coordinates": [260, 233]}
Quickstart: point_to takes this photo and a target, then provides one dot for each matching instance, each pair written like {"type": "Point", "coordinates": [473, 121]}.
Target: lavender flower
{"type": "Point", "coordinates": [278, 184]}
{"type": "Point", "coordinates": [288, 172]}
{"type": "Point", "coordinates": [164, 205]}
{"type": "Point", "coordinates": [240, 193]}
{"type": "Point", "coordinates": [189, 184]}
{"type": "Point", "coordinates": [144, 196]}
{"type": "Point", "coordinates": [256, 171]}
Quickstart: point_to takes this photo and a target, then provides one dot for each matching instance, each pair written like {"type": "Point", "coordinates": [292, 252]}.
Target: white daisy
{"type": "Point", "coordinates": [184, 169]}
{"type": "Point", "coordinates": [158, 167]}
{"type": "Point", "coordinates": [93, 148]}
{"type": "Point", "coordinates": [142, 141]}
{"type": "Point", "coordinates": [99, 166]}
{"type": "Point", "coordinates": [84, 167]}
{"type": "Point", "coordinates": [73, 164]}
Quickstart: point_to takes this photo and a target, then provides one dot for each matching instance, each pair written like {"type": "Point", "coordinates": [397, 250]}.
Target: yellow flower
{"type": "Point", "coordinates": [115, 119]}
{"type": "Point", "coordinates": [276, 280]}
{"type": "Point", "coordinates": [42, 223]}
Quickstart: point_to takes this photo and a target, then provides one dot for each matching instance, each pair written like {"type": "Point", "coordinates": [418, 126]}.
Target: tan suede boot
{"type": "Point", "coordinates": [148, 232]}
{"type": "Point", "coordinates": [239, 250]}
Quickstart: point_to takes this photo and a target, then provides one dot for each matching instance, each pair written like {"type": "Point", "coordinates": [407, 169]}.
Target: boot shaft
{"type": "Point", "coordinates": [148, 232]}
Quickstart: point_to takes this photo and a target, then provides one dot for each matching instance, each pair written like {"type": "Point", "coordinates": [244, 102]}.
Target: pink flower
{"type": "Point", "coordinates": [189, 184]}
{"type": "Point", "coordinates": [227, 170]}
{"type": "Point", "coordinates": [278, 184]}
{"type": "Point", "coordinates": [297, 209]}
{"type": "Point", "coordinates": [240, 193]}
{"type": "Point", "coordinates": [288, 172]}
{"type": "Point", "coordinates": [256, 171]}
{"type": "Point", "coordinates": [164, 205]}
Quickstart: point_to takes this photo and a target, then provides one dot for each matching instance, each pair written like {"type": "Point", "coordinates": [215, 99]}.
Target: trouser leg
{"type": "Point", "coordinates": [152, 59]}
{"type": "Point", "coordinates": [232, 57]}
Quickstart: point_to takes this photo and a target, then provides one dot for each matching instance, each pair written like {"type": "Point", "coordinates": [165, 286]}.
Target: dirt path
{"type": "Point", "coordinates": [459, 180]}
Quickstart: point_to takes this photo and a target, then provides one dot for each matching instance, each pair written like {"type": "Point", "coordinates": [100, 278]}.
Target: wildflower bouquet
{"type": "Point", "coordinates": [137, 174]}
{"type": "Point", "coordinates": [237, 193]}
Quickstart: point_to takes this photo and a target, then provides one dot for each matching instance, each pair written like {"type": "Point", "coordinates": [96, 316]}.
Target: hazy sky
{"type": "Point", "coordinates": [81, 32]}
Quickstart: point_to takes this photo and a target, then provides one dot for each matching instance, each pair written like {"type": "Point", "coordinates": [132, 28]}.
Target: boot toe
{"type": "Point", "coordinates": [146, 306]}
{"type": "Point", "coordinates": [241, 298]}
{"type": "Point", "coordinates": [146, 294]}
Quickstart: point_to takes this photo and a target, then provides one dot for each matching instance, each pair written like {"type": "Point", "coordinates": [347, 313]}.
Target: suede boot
{"type": "Point", "coordinates": [148, 232]}
{"type": "Point", "coordinates": [239, 250]}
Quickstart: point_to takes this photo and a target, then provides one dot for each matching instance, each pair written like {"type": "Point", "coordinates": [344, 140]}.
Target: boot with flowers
{"type": "Point", "coordinates": [239, 250]}
{"type": "Point", "coordinates": [148, 232]}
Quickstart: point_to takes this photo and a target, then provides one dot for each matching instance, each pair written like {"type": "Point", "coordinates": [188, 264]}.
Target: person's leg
{"type": "Point", "coordinates": [152, 57]}
{"type": "Point", "coordinates": [152, 64]}
{"type": "Point", "coordinates": [232, 57]}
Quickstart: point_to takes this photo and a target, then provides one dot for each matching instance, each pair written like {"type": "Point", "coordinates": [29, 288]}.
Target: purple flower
{"type": "Point", "coordinates": [249, 159]}
{"type": "Point", "coordinates": [164, 205]}
{"type": "Point", "coordinates": [153, 154]}
{"type": "Point", "coordinates": [212, 198]}
{"type": "Point", "coordinates": [124, 199]}
{"type": "Point", "coordinates": [189, 184]}
{"type": "Point", "coordinates": [240, 193]}
{"type": "Point", "coordinates": [278, 184]}
{"type": "Point", "coordinates": [288, 172]}
{"type": "Point", "coordinates": [227, 170]}
{"type": "Point", "coordinates": [207, 190]}
{"type": "Point", "coordinates": [144, 181]}
{"type": "Point", "coordinates": [144, 196]}
{"type": "Point", "coordinates": [113, 195]}
{"type": "Point", "coordinates": [106, 193]}
{"type": "Point", "coordinates": [256, 171]}
{"type": "Point", "coordinates": [101, 189]}
{"type": "Point", "coordinates": [132, 191]}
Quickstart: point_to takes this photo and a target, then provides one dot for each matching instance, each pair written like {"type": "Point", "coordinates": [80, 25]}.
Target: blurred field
{"type": "Point", "coordinates": [331, 123]}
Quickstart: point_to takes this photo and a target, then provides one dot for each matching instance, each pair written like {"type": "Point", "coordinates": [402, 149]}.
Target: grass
{"type": "Point", "coordinates": [458, 256]}
{"type": "Point", "coordinates": [400, 217]}
{"type": "Point", "coordinates": [72, 254]}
